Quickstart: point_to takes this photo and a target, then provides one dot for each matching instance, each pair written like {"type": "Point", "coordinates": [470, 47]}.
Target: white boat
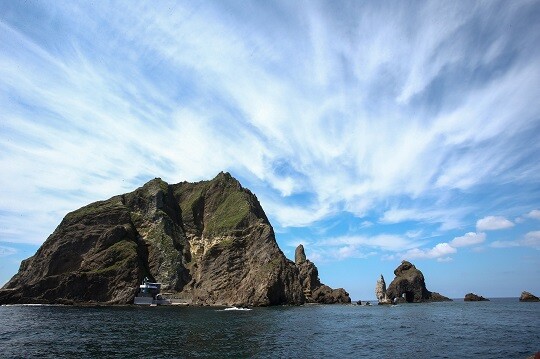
{"type": "Point", "coordinates": [149, 294]}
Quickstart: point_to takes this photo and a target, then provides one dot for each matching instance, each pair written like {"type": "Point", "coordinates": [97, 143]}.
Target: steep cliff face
{"type": "Point", "coordinates": [314, 290]}
{"type": "Point", "coordinates": [209, 243]}
{"type": "Point", "coordinates": [409, 286]}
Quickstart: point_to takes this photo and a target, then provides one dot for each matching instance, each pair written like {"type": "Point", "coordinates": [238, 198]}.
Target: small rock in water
{"type": "Point", "coordinates": [471, 297]}
{"type": "Point", "coordinates": [528, 297]}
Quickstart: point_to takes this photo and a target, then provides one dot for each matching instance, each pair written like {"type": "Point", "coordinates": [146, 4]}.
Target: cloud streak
{"type": "Point", "coordinates": [317, 107]}
{"type": "Point", "coordinates": [531, 240]}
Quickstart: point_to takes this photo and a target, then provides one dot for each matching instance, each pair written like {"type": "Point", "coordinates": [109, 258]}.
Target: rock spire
{"type": "Point", "coordinates": [314, 290]}
{"type": "Point", "coordinates": [380, 291]}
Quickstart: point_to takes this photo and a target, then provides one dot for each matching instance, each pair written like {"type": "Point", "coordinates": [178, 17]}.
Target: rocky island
{"type": "Point", "coordinates": [407, 287]}
{"type": "Point", "coordinates": [208, 243]}
{"type": "Point", "coordinates": [528, 297]}
{"type": "Point", "coordinates": [471, 297]}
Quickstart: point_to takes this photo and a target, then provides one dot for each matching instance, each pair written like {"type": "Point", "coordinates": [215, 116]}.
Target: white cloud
{"type": "Point", "coordinates": [387, 242]}
{"type": "Point", "coordinates": [352, 246]}
{"type": "Point", "coordinates": [532, 239]}
{"type": "Point", "coordinates": [469, 239]}
{"type": "Point", "coordinates": [293, 215]}
{"type": "Point", "coordinates": [358, 124]}
{"type": "Point", "coordinates": [535, 214]}
{"type": "Point", "coordinates": [441, 250]}
{"type": "Point", "coordinates": [491, 223]}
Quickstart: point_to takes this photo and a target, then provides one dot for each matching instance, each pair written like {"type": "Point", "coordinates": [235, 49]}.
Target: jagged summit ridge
{"type": "Point", "coordinates": [208, 242]}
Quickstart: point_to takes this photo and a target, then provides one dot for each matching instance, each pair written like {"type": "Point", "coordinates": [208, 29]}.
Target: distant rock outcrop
{"type": "Point", "coordinates": [208, 243]}
{"type": "Point", "coordinates": [471, 297]}
{"type": "Point", "coordinates": [528, 297]}
{"type": "Point", "coordinates": [409, 286]}
{"type": "Point", "coordinates": [314, 290]}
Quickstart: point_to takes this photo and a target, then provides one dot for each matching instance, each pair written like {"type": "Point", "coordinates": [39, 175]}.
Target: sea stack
{"type": "Point", "coordinates": [380, 291]}
{"type": "Point", "coordinates": [314, 290]}
{"type": "Point", "coordinates": [471, 297]}
{"type": "Point", "coordinates": [528, 297]}
{"type": "Point", "coordinates": [208, 243]}
{"type": "Point", "coordinates": [299, 255]}
{"type": "Point", "coordinates": [409, 286]}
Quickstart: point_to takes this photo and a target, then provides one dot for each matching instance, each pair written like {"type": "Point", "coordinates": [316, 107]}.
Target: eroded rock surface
{"type": "Point", "coordinates": [409, 286]}
{"type": "Point", "coordinates": [380, 291]}
{"type": "Point", "coordinates": [209, 243]}
{"type": "Point", "coordinates": [528, 297]}
{"type": "Point", "coordinates": [314, 290]}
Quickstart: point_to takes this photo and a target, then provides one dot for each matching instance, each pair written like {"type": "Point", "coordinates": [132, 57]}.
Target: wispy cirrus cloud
{"type": "Point", "coordinates": [530, 239]}
{"type": "Point", "coordinates": [314, 99]}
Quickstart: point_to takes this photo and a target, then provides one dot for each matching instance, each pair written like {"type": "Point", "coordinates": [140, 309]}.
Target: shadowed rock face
{"type": "Point", "coordinates": [409, 286]}
{"type": "Point", "coordinates": [209, 243]}
{"type": "Point", "coordinates": [314, 290]}
{"type": "Point", "coordinates": [299, 255]}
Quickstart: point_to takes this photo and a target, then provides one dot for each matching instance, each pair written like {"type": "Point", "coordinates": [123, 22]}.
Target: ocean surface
{"type": "Point", "coordinates": [501, 328]}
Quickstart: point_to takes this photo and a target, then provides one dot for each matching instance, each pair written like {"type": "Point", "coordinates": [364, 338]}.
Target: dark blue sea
{"type": "Point", "coordinates": [501, 328]}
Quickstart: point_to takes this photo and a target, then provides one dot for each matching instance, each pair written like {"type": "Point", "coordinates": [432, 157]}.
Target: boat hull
{"type": "Point", "coordinates": [150, 301]}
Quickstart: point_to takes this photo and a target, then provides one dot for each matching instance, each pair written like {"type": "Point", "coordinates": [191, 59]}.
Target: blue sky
{"type": "Point", "coordinates": [371, 132]}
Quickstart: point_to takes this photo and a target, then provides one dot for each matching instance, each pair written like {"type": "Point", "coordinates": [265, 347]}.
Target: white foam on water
{"type": "Point", "coordinates": [233, 308]}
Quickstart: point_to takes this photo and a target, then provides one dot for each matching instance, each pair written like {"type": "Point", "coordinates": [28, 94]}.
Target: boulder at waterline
{"type": "Point", "coordinates": [471, 297]}
{"type": "Point", "coordinates": [528, 297]}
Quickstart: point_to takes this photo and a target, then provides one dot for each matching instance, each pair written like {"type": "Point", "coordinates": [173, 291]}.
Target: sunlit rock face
{"type": "Point", "coordinates": [380, 291]}
{"type": "Point", "coordinates": [409, 286]}
{"type": "Point", "coordinates": [209, 243]}
{"type": "Point", "coordinates": [528, 297]}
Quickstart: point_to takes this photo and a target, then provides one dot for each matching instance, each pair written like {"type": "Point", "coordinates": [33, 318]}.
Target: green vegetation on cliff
{"type": "Point", "coordinates": [229, 214]}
